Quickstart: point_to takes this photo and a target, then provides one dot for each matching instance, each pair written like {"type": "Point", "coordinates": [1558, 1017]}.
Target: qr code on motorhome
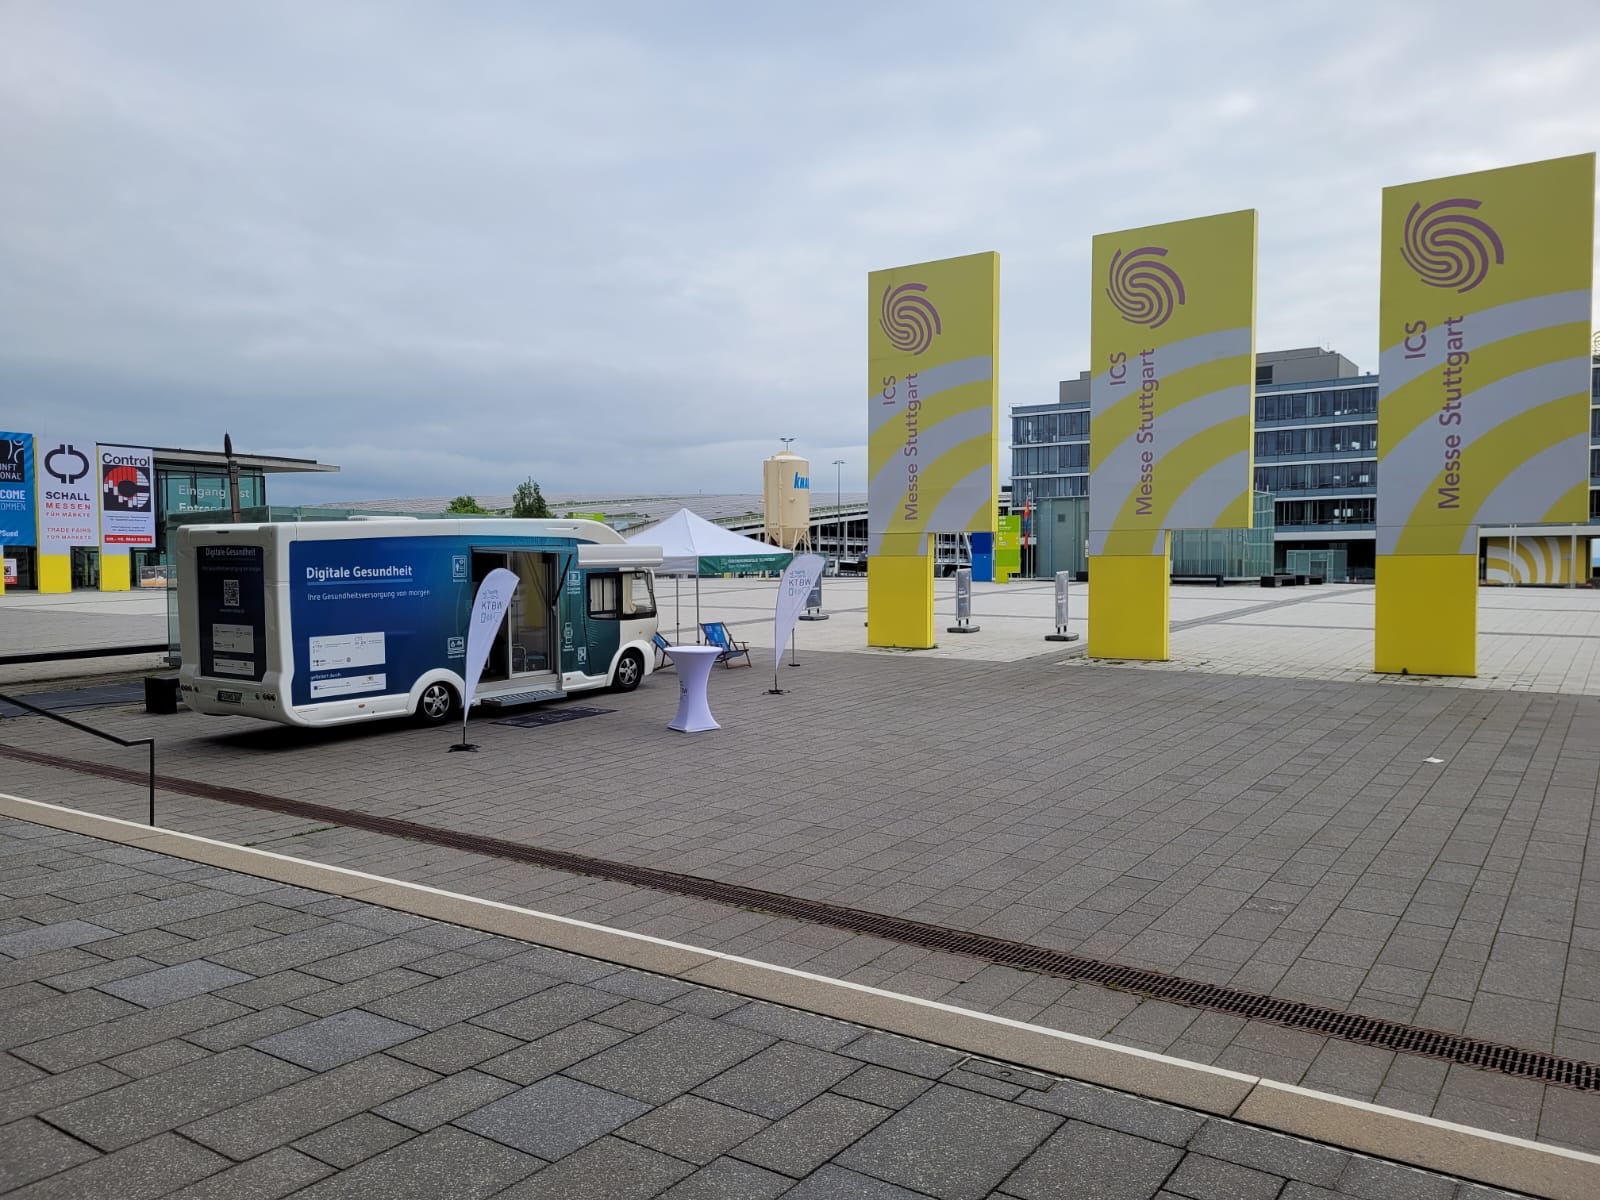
{"type": "Point", "coordinates": [230, 593]}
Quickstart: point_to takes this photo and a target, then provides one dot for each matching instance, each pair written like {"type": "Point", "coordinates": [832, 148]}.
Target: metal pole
{"type": "Point", "coordinates": [838, 504]}
{"type": "Point", "coordinates": [152, 748]}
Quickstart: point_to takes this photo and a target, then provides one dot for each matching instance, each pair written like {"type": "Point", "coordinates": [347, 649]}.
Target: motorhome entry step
{"type": "Point", "coordinates": [508, 699]}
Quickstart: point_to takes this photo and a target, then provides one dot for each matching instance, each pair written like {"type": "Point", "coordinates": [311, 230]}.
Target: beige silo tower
{"type": "Point", "coordinates": [786, 500]}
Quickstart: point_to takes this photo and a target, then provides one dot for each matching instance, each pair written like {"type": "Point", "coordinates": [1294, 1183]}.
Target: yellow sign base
{"type": "Point", "coordinates": [1130, 606]}
{"type": "Point", "coordinates": [55, 572]}
{"type": "Point", "coordinates": [1426, 622]}
{"type": "Point", "coordinates": [116, 571]}
{"type": "Point", "coordinates": [900, 599]}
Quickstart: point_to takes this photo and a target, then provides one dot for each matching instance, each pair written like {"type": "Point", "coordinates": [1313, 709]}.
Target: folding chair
{"type": "Point", "coordinates": [717, 634]}
{"type": "Point", "coordinates": [663, 651]}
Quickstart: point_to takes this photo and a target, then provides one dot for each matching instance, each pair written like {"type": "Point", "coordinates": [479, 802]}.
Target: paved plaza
{"type": "Point", "coordinates": [1262, 813]}
{"type": "Point", "coordinates": [183, 1031]}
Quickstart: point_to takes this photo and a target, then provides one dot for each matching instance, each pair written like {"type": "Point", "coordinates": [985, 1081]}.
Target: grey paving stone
{"type": "Point", "coordinates": [457, 997]}
{"type": "Point", "coordinates": [369, 960]}
{"type": "Point", "coordinates": [454, 1048]}
{"type": "Point", "coordinates": [555, 1007]}
{"type": "Point", "coordinates": [693, 1129]}
{"type": "Point", "coordinates": [951, 1143]}
{"type": "Point", "coordinates": [1009, 1074]}
{"type": "Point", "coordinates": [360, 994]}
{"type": "Point", "coordinates": [1202, 1178]}
{"type": "Point", "coordinates": [297, 949]}
{"type": "Point", "coordinates": [140, 1172]}
{"type": "Point", "coordinates": [558, 964]}
{"type": "Point", "coordinates": [56, 936]}
{"type": "Point", "coordinates": [34, 1023]}
{"type": "Point", "coordinates": [554, 1117]}
{"type": "Point", "coordinates": [353, 1140]}
{"type": "Point", "coordinates": [778, 1080]}
{"type": "Point", "coordinates": [730, 1179]}
{"type": "Point", "coordinates": [833, 1182]}
{"type": "Point", "coordinates": [705, 1003]}
{"type": "Point", "coordinates": [283, 1116]}
{"type": "Point", "coordinates": [448, 1162]}
{"type": "Point", "coordinates": [637, 985]}
{"type": "Point", "coordinates": [811, 1135]}
{"type": "Point", "coordinates": [336, 1040]}
{"type": "Point", "coordinates": [454, 1096]}
{"type": "Point", "coordinates": [249, 1028]}
{"type": "Point", "coordinates": [883, 1087]}
{"type": "Point", "coordinates": [35, 1096]}
{"type": "Point", "coordinates": [917, 1058]}
{"type": "Point", "coordinates": [14, 1073]}
{"type": "Point", "coordinates": [135, 1111]}
{"type": "Point", "coordinates": [635, 1016]}
{"type": "Point", "coordinates": [670, 1059]}
{"type": "Point", "coordinates": [274, 1174]}
{"type": "Point", "coordinates": [103, 971]}
{"type": "Point", "coordinates": [141, 1027]}
{"type": "Point", "coordinates": [984, 1085]}
{"type": "Point", "coordinates": [30, 1150]}
{"type": "Point", "coordinates": [1117, 1110]}
{"type": "Point", "coordinates": [42, 966]}
{"type": "Point", "coordinates": [610, 1169]}
{"type": "Point", "coordinates": [1273, 1153]}
{"type": "Point", "coordinates": [278, 988]}
{"type": "Point", "coordinates": [1371, 1179]}
{"type": "Point", "coordinates": [553, 1053]}
{"type": "Point", "coordinates": [792, 1025]}
{"type": "Point", "coordinates": [1099, 1162]}
{"type": "Point", "coordinates": [170, 984]}
{"type": "Point", "coordinates": [152, 1060]}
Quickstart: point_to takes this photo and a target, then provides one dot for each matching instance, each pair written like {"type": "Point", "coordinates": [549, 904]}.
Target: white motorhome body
{"type": "Point", "coordinates": [327, 622]}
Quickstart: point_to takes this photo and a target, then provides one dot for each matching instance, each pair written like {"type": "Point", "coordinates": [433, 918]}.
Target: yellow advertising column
{"type": "Point", "coordinates": [1483, 407]}
{"type": "Point", "coordinates": [932, 445]}
{"type": "Point", "coordinates": [1171, 413]}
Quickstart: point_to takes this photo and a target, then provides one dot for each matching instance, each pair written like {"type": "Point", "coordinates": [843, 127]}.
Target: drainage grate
{"type": "Point", "coordinates": [1155, 985]}
{"type": "Point", "coordinates": [553, 716]}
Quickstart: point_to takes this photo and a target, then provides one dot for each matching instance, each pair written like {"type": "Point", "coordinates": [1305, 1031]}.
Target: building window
{"type": "Point", "coordinates": [1263, 373]}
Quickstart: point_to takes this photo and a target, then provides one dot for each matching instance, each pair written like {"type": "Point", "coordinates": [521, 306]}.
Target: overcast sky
{"type": "Point", "coordinates": [624, 246]}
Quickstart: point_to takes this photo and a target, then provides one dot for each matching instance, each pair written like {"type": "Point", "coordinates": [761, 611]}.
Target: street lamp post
{"type": "Point", "coordinates": [233, 477]}
{"type": "Point", "coordinates": [838, 504]}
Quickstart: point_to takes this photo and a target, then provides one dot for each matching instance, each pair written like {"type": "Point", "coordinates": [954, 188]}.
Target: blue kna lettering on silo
{"type": "Point", "coordinates": [802, 481]}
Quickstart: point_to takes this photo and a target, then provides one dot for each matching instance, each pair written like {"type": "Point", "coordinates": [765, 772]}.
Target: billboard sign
{"type": "Point", "coordinates": [69, 486]}
{"type": "Point", "coordinates": [932, 404]}
{"type": "Point", "coordinates": [1484, 372]}
{"type": "Point", "coordinates": [16, 490]}
{"type": "Point", "coordinates": [127, 497]}
{"type": "Point", "coordinates": [1171, 401]}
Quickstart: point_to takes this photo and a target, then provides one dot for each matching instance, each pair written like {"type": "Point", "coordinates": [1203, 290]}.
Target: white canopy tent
{"type": "Point", "coordinates": [693, 546]}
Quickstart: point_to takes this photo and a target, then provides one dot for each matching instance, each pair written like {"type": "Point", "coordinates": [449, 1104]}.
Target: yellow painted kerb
{"type": "Point", "coordinates": [1129, 606]}
{"type": "Point", "coordinates": [1426, 621]}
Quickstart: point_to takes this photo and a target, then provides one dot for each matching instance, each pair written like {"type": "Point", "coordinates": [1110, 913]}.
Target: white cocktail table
{"type": "Point", "coordinates": [694, 665]}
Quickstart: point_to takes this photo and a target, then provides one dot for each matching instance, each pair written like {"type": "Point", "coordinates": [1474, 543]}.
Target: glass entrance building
{"type": "Point", "coordinates": [1316, 452]}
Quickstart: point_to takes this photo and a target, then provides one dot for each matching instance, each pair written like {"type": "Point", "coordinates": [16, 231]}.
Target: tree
{"type": "Point", "coordinates": [465, 504]}
{"type": "Point", "coordinates": [529, 501]}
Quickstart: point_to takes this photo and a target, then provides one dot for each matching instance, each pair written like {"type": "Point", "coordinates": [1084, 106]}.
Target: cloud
{"type": "Point", "coordinates": [449, 247]}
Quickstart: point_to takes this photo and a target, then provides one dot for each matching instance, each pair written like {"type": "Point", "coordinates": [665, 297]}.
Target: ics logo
{"type": "Point", "coordinates": [1448, 246]}
{"type": "Point", "coordinates": [908, 318]}
{"type": "Point", "coordinates": [1143, 287]}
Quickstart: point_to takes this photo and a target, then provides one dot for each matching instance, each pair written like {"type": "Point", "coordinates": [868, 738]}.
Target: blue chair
{"type": "Point", "coordinates": [717, 634]}
{"type": "Point", "coordinates": [663, 651]}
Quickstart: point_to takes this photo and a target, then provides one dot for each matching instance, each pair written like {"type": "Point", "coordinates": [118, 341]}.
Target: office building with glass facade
{"type": "Point", "coordinates": [1316, 451]}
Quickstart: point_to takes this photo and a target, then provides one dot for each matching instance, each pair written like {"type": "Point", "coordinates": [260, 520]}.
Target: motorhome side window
{"type": "Point", "coordinates": [625, 595]}
{"type": "Point", "coordinates": [605, 596]}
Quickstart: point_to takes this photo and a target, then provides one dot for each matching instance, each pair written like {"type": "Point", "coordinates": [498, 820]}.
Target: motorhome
{"type": "Point", "coordinates": [328, 622]}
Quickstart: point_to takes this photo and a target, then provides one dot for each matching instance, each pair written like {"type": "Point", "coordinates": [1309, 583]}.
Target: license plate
{"type": "Point", "coordinates": [231, 697]}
